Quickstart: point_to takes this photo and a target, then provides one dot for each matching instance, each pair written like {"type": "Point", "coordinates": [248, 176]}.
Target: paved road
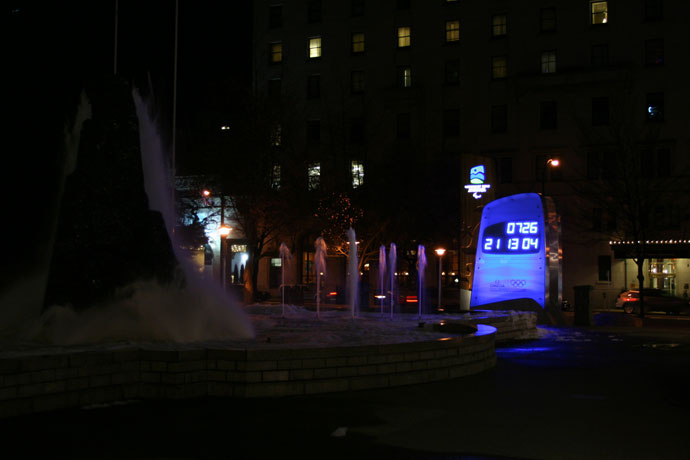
{"type": "Point", "coordinates": [572, 394]}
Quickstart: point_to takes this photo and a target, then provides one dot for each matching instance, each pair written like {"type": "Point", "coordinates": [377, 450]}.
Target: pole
{"type": "Point", "coordinates": [440, 268]}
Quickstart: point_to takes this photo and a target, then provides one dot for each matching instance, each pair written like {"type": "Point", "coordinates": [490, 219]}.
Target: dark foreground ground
{"type": "Point", "coordinates": [619, 393]}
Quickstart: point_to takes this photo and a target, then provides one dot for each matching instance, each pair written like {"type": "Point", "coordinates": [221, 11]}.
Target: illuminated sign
{"type": "Point", "coordinates": [477, 186]}
{"type": "Point", "coordinates": [517, 246]}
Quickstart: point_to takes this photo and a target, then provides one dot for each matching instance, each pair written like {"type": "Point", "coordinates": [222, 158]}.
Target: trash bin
{"type": "Point", "coordinates": [583, 313]}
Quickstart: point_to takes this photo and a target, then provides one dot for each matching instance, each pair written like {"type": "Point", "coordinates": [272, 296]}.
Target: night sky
{"type": "Point", "coordinates": [52, 49]}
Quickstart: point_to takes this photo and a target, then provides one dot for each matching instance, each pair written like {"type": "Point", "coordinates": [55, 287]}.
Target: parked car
{"type": "Point", "coordinates": [654, 300]}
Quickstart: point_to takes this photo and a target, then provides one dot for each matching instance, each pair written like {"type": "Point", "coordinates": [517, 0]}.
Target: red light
{"type": "Point", "coordinates": [411, 299]}
{"type": "Point", "coordinates": [333, 293]}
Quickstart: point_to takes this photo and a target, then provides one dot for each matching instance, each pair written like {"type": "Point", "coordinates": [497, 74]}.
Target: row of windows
{"type": "Point", "coordinates": [498, 119]}
{"type": "Point", "coordinates": [598, 15]}
{"type": "Point", "coordinates": [314, 175]}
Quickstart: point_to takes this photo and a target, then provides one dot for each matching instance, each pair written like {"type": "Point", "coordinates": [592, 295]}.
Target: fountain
{"type": "Point", "coordinates": [392, 264]}
{"type": "Point", "coordinates": [421, 266]}
{"type": "Point", "coordinates": [284, 257]}
{"type": "Point", "coordinates": [320, 267]}
{"type": "Point", "coordinates": [382, 275]}
{"type": "Point", "coordinates": [353, 272]}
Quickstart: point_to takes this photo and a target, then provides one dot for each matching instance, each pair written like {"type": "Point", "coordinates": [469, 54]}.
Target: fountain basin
{"type": "Point", "coordinates": [38, 380]}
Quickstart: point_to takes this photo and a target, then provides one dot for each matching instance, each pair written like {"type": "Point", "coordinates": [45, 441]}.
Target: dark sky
{"type": "Point", "coordinates": [51, 48]}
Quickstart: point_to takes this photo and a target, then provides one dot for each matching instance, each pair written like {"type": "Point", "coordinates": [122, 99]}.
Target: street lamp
{"type": "Point", "coordinates": [439, 253]}
{"type": "Point", "coordinates": [553, 162]}
{"type": "Point", "coordinates": [223, 231]}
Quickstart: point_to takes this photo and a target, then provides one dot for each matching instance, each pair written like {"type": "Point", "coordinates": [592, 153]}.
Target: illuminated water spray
{"type": "Point", "coordinates": [320, 267]}
{"type": "Point", "coordinates": [392, 263]}
{"type": "Point", "coordinates": [353, 272]}
{"type": "Point", "coordinates": [421, 265]}
{"type": "Point", "coordinates": [382, 275]}
{"type": "Point", "coordinates": [284, 257]}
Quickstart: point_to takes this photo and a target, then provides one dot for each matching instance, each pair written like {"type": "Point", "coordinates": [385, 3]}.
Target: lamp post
{"type": "Point", "coordinates": [553, 162]}
{"type": "Point", "coordinates": [223, 232]}
{"type": "Point", "coordinates": [439, 253]}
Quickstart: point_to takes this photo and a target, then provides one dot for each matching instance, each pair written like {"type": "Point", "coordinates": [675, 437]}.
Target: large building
{"type": "Point", "coordinates": [381, 92]}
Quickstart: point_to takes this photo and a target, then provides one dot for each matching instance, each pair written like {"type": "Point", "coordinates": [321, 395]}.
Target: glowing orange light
{"type": "Point", "coordinates": [206, 193]}
{"type": "Point", "coordinates": [440, 251]}
{"type": "Point", "coordinates": [224, 230]}
{"type": "Point", "coordinates": [555, 162]}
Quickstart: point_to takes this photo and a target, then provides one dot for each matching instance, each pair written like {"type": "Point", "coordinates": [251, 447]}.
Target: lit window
{"type": "Point", "coordinates": [452, 31]}
{"type": "Point", "coordinates": [277, 52]}
{"type": "Point", "coordinates": [357, 173]}
{"type": "Point", "coordinates": [357, 81]}
{"type": "Point", "coordinates": [655, 107]}
{"type": "Point", "coordinates": [275, 177]}
{"type": "Point", "coordinates": [314, 176]}
{"type": "Point", "coordinates": [499, 25]}
{"type": "Point", "coordinates": [276, 136]}
{"type": "Point", "coordinates": [600, 12]}
{"type": "Point", "coordinates": [404, 76]}
{"type": "Point", "coordinates": [499, 67]}
{"type": "Point", "coordinates": [404, 37]}
{"type": "Point", "coordinates": [548, 62]}
{"type": "Point", "coordinates": [547, 19]}
{"type": "Point", "coordinates": [314, 47]}
{"type": "Point", "coordinates": [358, 43]}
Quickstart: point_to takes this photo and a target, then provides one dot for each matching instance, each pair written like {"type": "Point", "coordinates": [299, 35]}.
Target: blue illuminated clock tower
{"type": "Point", "coordinates": [519, 254]}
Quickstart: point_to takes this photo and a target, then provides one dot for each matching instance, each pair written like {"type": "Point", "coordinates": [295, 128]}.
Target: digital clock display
{"type": "Point", "coordinates": [512, 237]}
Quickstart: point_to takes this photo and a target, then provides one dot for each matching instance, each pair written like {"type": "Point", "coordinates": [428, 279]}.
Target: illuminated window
{"type": "Point", "coordinates": [308, 267]}
{"type": "Point", "coordinates": [275, 177]}
{"type": "Point", "coordinates": [499, 25]}
{"type": "Point", "coordinates": [548, 61]}
{"type": "Point", "coordinates": [547, 19]}
{"type": "Point", "coordinates": [315, 48]}
{"type": "Point", "coordinates": [452, 72]}
{"type": "Point", "coordinates": [599, 12]}
{"type": "Point", "coordinates": [276, 52]}
{"type": "Point", "coordinates": [275, 16]}
{"type": "Point", "coordinates": [313, 86]}
{"type": "Point", "coordinates": [404, 76]}
{"type": "Point", "coordinates": [314, 176]}
{"type": "Point", "coordinates": [357, 173]}
{"type": "Point", "coordinates": [654, 52]}
{"type": "Point", "coordinates": [548, 115]}
{"type": "Point", "coordinates": [357, 81]}
{"type": "Point", "coordinates": [600, 55]}
{"type": "Point", "coordinates": [655, 106]}
{"type": "Point", "coordinates": [452, 31]}
{"type": "Point", "coordinates": [277, 136]}
{"type": "Point", "coordinates": [404, 37]}
{"type": "Point", "coordinates": [499, 67]}
{"type": "Point", "coordinates": [358, 43]}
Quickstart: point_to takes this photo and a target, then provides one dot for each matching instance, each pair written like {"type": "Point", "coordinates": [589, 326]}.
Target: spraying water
{"type": "Point", "coordinates": [353, 272]}
{"type": "Point", "coordinates": [284, 257]}
{"type": "Point", "coordinates": [320, 267]}
{"type": "Point", "coordinates": [392, 264]}
{"type": "Point", "coordinates": [421, 266]}
{"type": "Point", "coordinates": [382, 275]}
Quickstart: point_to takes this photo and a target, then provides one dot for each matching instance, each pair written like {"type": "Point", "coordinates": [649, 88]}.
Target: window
{"type": "Point", "coordinates": [599, 12]}
{"type": "Point", "coordinates": [452, 72]}
{"type": "Point", "coordinates": [275, 88]}
{"type": "Point", "coordinates": [654, 52]}
{"type": "Point", "coordinates": [600, 111]}
{"type": "Point", "coordinates": [314, 176]}
{"type": "Point", "coordinates": [403, 126]}
{"type": "Point", "coordinates": [547, 19]}
{"type": "Point", "coordinates": [357, 43]}
{"type": "Point", "coordinates": [275, 177]}
{"type": "Point", "coordinates": [451, 122]}
{"type": "Point", "coordinates": [357, 130]}
{"type": "Point", "coordinates": [314, 11]}
{"type": "Point", "coordinates": [277, 136]}
{"type": "Point", "coordinates": [499, 25]}
{"type": "Point", "coordinates": [404, 76]}
{"type": "Point", "coordinates": [452, 31]}
{"type": "Point", "coordinates": [404, 37]}
{"type": "Point", "coordinates": [357, 8]}
{"type": "Point", "coordinates": [548, 115]}
{"type": "Point", "coordinates": [655, 106]}
{"type": "Point", "coordinates": [402, 4]}
{"type": "Point", "coordinates": [653, 10]}
{"type": "Point", "coordinates": [308, 267]}
{"type": "Point", "coordinates": [505, 170]}
{"type": "Point", "coordinates": [313, 86]}
{"type": "Point", "coordinates": [276, 52]}
{"type": "Point", "coordinates": [499, 118]}
{"type": "Point", "coordinates": [315, 48]}
{"type": "Point", "coordinates": [548, 61]}
{"type": "Point", "coordinates": [357, 168]}
{"type": "Point", "coordinates": [499, 67]}
{"type": "Point", "coordinates": [600, 55]}
{"type": "Point", "coordinates": [357, 81]}
{"type": "Point", "coordinates": [314, 130]}
{"type": "Point", "coordinates": [275, 16]}
{"type": "Point", "coordinates": [604, 263]}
